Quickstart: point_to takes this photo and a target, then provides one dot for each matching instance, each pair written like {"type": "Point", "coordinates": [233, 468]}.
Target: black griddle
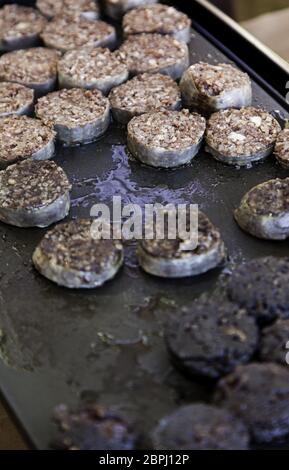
{"type": "Point", "coordinates": [61, 346]}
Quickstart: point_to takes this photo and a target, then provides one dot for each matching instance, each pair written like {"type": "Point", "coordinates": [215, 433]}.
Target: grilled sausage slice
{"type": "Point", "coordinates": [166, 139]}
{"type": "Point", "coordinates": [71, 256]}
{"type": "Point", "coordinates": [178, 258]}
{"type": "Point", "coordinates": [22, 137]}
{"type": "Point", "coordinates": [33, 194]}
{"type": "Point", "coordinates": [240, 137]}
{"type": "Point", "coordinates": [78, 116]}
{"type": "Point", "coordinates": [264, 210]}
{"type": "Point", "coordinates": [143, 94]}
{"type": "Point", "coordinates": [209, 88]}
{"type": "Point", "coordinates": [91, 68]}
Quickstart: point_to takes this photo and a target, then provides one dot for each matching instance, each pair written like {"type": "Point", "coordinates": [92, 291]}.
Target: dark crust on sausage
{"type": "Point", "coordinates": [259, 395]}
{"type": "Point", "coordinates": [282, 148]}
{"type": "Point", "coordinates": [72, 246]}
{"type": "Point", "coordinates": [261, 286]}
{"type": "Point", "coordinates": [211, 338]}
{"type": "Point", "coordinates": [146, 93]}
{"type": "Point", "coordinates": [270, 198]}
{"type": "Point", "coordinates": [92, 427]}
{"type": "Point", "coordinates": [200, 427]}
{"type": "Point", "coordinates": [208, 236]}
{"type": "Point", "coordinates": [31, 185]}
{"type": "Point", "coordinates": [152, 52]}
{"type": "Point", "coordinates": [274, 343]}
{"type": "Point", "coordinates": [157, 18]}
{"type": "Point", "coordinates": [21, 137]}
{"type": "Point", "coordinates": [233, 132]}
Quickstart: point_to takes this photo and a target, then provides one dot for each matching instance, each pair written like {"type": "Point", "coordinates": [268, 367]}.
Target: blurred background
{"type": "Point", "coordinates": [268, 20]}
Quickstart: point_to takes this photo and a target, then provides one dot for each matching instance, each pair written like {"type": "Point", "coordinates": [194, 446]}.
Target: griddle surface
{"type": "Point", "coordinates": [60, 346]}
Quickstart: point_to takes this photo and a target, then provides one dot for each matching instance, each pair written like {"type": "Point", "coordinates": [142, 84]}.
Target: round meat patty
{"type": "Point", "coordinates": [117, 8]}
{"type": "Point", "coordinates": [259, 395]}
{"type": "Point", "coordinates": [20, 27]}
{"type": "Point", "coordinates": [264, 210]}
{"type": "Point", "coordinates": [65, 33]}
{"type": "Point", "coordinates": [22, 137]}
{"type": "Point", "coordinates": [35, 68]}
{"type": "Point", "coordinates": [160, 19]}
{"type": "Point", "coordinates": [275, 343]}
{"type": "Point", "coordinates": [211, 338]}
{"type": "Point", "coordinates": [92, 427]}
{"type": "Point", "coordinates": [200, 427]}
{"type": "Point", "coordinates": [210, 88]}
{"type": "Point", "coordinates": [143, 94]}
{"type": "Point", "coordinates": [261, 287]}
{"type": "Point", "coordinates": [155, 53]}
{"type": "Point", "coordinates": [78, 116]}
{"type": "Point", "coordinates": [91, 68]}
{"type": "Point", "coordinates": [33, 194]}
{"type": "Point", "coordinates": [71, 256]}
{"type": "Point", "coordinates": [178, 258]}
{"type": "Point", "coordinates": [241, 136]}
{"type": "Point", "coordinates": [15, 99]}
{"type": "Point", "coordinates": [166, 139]}
{"type": "Point", "coordinates": [282, 148]}
{"type": "Point", "coordinates": [52, 8]}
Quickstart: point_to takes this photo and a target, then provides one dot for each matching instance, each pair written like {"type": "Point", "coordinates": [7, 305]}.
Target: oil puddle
{"type": "Point", "coordinates": [121, 181]}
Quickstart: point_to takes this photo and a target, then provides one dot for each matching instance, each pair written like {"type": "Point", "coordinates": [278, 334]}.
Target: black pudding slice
{"type": "Point", "coordinates": [259, 395]}
{"type": "Point", "coordinates": [212, 338]}
{"type": "Point", "coordinates": [261, 287]}
{"type": "Point", "coordinates": [180, 258]}
{"type": "Point", "coordinates": [200, 427]}
{"type": "Point", "coordinates": [92, 427]}
{"type": "Point", "coordinates": [34, 194]}
{"type": "Point", "coordinates": [264, 210]}
{"type": "Point", "coordinates": [71, 256]}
